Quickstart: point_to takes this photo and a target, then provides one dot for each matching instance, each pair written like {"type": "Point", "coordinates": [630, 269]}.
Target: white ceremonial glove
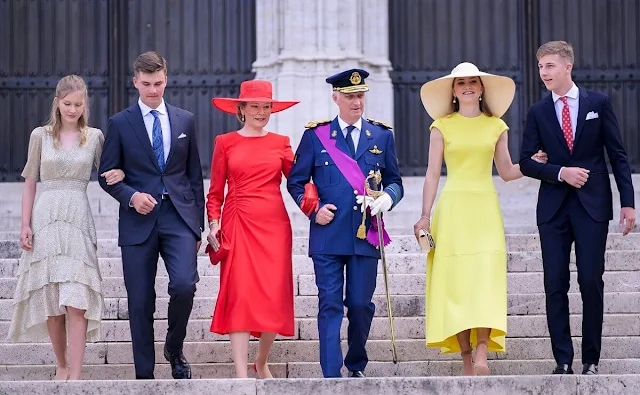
{"type": "Point", "coordinates": [360, 199]}
{"type": "Point", "coordinates": [381, 204]}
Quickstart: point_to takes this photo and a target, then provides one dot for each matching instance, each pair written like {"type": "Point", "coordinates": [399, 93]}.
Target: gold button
{"type": "Point", "coordinates": [377, 164]}
{"type": "Point", "coordinates": [355, 208]}
{"type": "Point", "coordinates": [355, 192]}
{"type": "Point", "coordinates": [326, 163]}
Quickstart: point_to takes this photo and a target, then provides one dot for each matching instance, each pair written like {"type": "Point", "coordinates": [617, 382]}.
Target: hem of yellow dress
{"type": "Point", "coordinates": [450, 343]}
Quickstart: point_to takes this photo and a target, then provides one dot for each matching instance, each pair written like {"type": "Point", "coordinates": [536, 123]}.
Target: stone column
{"type": "Point", "coordinates": [301, 43]}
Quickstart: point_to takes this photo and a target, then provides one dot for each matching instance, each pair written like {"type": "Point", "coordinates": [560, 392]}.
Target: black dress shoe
{"type": "Point", "coordinates": [563, 369]}
{"type": "Point", "coordinates": [141, 377]}
{"type": "Point", "coordinates": [356, 373]}
{"type": "Point", "coordinates": [180, 368]}
{"type": "Point", "coordinates": [590, 369]}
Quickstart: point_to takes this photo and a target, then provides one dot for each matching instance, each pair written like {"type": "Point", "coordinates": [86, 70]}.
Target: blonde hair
{"type": "Point", "coordinates": [484, 107]}
{"type": "Point", "coordinates": [68, 84]}
{"type": "Point", "coordinates": [561, 48]}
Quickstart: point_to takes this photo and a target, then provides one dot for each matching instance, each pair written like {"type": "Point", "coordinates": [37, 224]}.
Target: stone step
{"type": "Point", "coordinates": [402, 305]}
{"type": "Point", "coordinates": [499, 385]}
{"type": "Point", "coordinates": [108, 248]}
{"type": "Point", "coordinates": [399, 284]}
{"type": "Point", "coordinates": [403, 263]}
{"type": "Point", "coordinates": [615, 325]}
{"type": "Point", "coordinates": [307, 351]}
{"type": "Point", "coordinates": [403, 284]}
{"type": "Point", "coordinates": [301, 231]}
{"type": "Point", "coordinates": [313, 370]}
{"type": "Point", "coordinates": [396, 223]}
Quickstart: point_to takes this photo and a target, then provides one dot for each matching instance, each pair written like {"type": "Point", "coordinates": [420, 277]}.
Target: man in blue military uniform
{"type": "Point", "coordinates": [337, 155]}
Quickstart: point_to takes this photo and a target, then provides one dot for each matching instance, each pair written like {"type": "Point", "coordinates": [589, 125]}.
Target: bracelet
{"type": "Point", "coordinates": [213, 222]}
{"type": "Point", "coordinates": [425, 217]}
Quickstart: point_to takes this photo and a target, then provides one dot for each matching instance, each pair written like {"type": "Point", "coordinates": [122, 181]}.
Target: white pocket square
{"type": "Point", "coordinates": [592, 115]}
{"type": "Point", "coordinates": [182, 136]}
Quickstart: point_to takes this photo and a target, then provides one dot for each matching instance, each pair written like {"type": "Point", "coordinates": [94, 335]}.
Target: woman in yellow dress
{"type": "Point", "coordinates": [466, 287]}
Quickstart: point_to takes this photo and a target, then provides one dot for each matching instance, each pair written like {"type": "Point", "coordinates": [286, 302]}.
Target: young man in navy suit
{"type": "Point", "coordinates": [338, 155]}
{"type": "Point", "coordinates": [161, 211]}
{"type": "Point", "coordinates": [574, 127]}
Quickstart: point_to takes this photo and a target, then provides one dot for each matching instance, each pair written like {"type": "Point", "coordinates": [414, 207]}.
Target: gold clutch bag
{"type": "Point", "coordinates": [426, 241]}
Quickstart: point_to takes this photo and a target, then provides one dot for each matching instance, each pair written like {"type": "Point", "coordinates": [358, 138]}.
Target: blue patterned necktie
{"type": "Point", "coordinates": [158, 144]}
{"type": "Point", "coordinates": [352, 147]}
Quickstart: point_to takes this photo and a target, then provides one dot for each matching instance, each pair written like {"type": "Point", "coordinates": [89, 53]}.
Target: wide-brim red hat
{"type": "Point", "coordinates": [252, 91]}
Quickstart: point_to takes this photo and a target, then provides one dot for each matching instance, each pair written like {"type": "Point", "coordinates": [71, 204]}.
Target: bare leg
{"type": "Point", "coordinates": [464, 338]}
{"type": "Point", "coordinates": [481, 368]}
{"type": "Point", "coordinates": [240, 352]}
{"type": "Point", "coordinates": [266, 341]}
{"type": "Point", "coordinates": [58, 336]}
{"type": "Point", "coordinates": [77, 341]}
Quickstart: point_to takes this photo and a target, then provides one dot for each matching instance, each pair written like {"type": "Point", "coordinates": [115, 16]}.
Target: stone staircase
{"type": "Point", "coordinates": [528, 346]}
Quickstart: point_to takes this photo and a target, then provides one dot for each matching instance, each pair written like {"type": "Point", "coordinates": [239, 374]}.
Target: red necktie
{"type": "Point", "coordinates": [566, 124]}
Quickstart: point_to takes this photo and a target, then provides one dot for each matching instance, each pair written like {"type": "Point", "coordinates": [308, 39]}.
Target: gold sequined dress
{"type": "Point", "coordinates": [62, 268]}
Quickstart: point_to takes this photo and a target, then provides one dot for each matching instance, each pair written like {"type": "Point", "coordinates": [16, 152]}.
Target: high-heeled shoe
{"type": "Point", "coordinates": [255, 369]}
{"type": "Point", "coordinates": [481, 369]}
{"type": "Point", "coordinates": [61, 379]}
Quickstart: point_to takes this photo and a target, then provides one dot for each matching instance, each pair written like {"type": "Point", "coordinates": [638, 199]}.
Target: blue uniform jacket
{"type": "Point", "coordinates": [376, 151]}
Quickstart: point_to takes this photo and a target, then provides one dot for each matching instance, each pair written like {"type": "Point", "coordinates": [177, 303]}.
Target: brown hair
{"type": "Point", "coordinates": [562, 48]}
{"type": "Point", "coordinates": [239, 114]}
{"type": "Point", "coordinates": [484, 107]}
{"type": "Point", "coordinates": [68, 84]}
{"type": "Point", "coordinates": [150, 62]}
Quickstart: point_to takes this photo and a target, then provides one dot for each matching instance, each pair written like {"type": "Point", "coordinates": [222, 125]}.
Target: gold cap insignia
{"type": "Point", "coordinates": [355, 78]}
{"type": "Point", "coordinates": [375, 150]}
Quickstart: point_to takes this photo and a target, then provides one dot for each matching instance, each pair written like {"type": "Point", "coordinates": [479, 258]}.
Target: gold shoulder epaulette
{"type": "Point", "coordinates": [313, 124]}
{"type": "Point", "coordinates": [380, 123]}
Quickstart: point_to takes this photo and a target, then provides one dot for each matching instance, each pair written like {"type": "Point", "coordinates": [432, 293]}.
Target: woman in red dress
{"type": "Point", "coordinates": [256, 279]}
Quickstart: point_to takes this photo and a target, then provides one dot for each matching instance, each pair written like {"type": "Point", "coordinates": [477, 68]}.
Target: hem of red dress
{"type": "Point", "coordinates": [255, 334]}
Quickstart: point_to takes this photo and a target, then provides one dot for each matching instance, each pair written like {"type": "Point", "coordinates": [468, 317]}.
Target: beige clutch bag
{"type": "Point", "coordinates": [426, 241]}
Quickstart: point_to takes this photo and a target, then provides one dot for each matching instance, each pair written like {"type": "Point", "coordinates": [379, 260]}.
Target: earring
{"type": "Point", "coordinates": [454, 100]}
{"type": "Point", "coordinates": [242, 118]}
{"type": "Point", "coordinates": [480, 98]}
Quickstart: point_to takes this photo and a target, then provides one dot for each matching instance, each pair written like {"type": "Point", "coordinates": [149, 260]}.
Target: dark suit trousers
{"type": "Point", "coordinates": [176, 243]}
{"type": "Point", "coordinates": [573, 224]}
{"type": "Point", "coordinates": [361, 273]}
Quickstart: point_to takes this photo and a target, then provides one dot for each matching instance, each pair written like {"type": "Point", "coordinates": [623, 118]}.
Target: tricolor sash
{"type": "Point", "coordinates": [352, 172]}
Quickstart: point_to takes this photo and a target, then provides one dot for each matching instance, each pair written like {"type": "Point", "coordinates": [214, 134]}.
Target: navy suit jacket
{"type": "Point", "coordinates": [313, 162]}
{"type": "Point", "coordinates": [127, 147]}
{"type": "Point", "coordinates": [592, 138]}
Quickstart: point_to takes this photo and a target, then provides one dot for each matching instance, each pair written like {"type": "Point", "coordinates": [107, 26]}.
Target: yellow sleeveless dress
{"type": "Point", "coordinates": [466, 283]}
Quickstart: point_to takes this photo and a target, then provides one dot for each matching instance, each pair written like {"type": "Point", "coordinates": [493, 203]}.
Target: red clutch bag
{"type": "Point", "coordinates": [216, 256]}
{"type": "Point", "coordinates": [310, 202]}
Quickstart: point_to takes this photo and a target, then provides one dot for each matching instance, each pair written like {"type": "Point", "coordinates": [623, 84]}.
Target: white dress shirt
{"type": "Point", "coordinates": [163, 115]}
{"type": "Point", "coordinates": [148, 119]}
{"type": "Point", "coordinates": [355, 133]}
{"type": "Point", "coordinates": [574, 104]}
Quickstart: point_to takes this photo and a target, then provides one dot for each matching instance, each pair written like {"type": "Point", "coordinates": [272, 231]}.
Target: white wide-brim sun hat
{"type": "Point", "coordinates": [437, 95]}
